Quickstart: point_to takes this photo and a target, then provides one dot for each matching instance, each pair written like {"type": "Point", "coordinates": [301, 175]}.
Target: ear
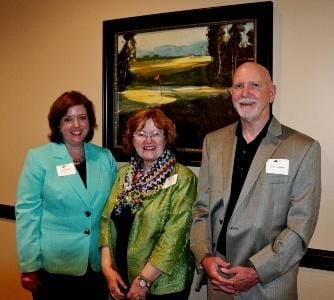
{"type": "Point", "coordinates": [272, 93]}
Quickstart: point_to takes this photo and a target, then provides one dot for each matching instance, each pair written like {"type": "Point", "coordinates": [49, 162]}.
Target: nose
{"type": "Point", "coordinates": [244, 91]}
{"type": "Point", "coordinates": [75, 122]}
{"type": "Point", "coordinates": [148, 138]}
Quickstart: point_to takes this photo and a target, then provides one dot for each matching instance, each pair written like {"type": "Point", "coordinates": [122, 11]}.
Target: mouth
{"type": "Point", "coordinates": [149, 148]}
{"type": "Point", "coordinates": [247, 102]}
{"type": "Point", "coordinates": [77, 132]}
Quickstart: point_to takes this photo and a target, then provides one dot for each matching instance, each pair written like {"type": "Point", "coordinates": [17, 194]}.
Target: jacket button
{"type": "Point", "coordinates": [221, 221]}
{"type": "Point", "coordinates": [87, 231]}
{"type": "Point", "coordinates": [88, 213]}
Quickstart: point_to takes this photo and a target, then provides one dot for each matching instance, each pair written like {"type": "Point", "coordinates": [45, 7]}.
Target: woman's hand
{"type": "Point", "coordinates": [115, 283]}
{"type": "Point", "coordinates": [137, 292]}
{"type": "Point", "coordinates": [30, 281]}
{"type": "Point", "coordinates": [149, 273]}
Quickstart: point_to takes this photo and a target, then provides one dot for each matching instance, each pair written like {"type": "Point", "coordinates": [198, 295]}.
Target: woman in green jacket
{"type": "Point", "coordinates": [146, 221]}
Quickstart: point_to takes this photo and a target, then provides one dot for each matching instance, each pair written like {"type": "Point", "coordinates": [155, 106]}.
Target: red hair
{"type": "Point", "coordinates": [137, 121]}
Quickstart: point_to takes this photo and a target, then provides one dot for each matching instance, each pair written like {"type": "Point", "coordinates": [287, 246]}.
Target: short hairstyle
{"type": "Point", "coordinates": [59, 109]}
{"type": "Point", "coordinates": [137, 121]}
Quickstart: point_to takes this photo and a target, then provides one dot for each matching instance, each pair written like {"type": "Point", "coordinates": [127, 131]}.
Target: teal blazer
{"type": "Point", "coordinates": [57, 217]}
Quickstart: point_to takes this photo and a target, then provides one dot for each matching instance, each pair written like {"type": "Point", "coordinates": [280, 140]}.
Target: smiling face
{"type": "Point", "coordinates": [74, 126]}
{"type": "Point", "coordinates": [150, 145]}
{"type": "Point", "coordinates": [252, 92]}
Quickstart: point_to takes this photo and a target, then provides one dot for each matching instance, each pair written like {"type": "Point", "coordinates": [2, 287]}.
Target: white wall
{"type": "Point", "coordinates": [50, 46]}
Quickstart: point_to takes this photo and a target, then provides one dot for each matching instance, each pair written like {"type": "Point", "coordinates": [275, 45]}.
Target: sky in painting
{"type": "Point", "coordinates": [177, 37]}
{"type": "Point", "coordinates": [146, 41]}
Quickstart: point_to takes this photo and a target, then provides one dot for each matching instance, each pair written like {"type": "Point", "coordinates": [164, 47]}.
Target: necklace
{"type": "Point", "coordinates": [78, 161]}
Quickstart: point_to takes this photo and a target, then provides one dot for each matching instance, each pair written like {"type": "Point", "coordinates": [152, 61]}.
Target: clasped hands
{"type": "Point", "coordinates": [119, 290]}
{"type": "Point", "coordinates": [224, 277]}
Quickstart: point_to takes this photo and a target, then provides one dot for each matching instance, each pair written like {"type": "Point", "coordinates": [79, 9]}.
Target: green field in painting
{"type": "Point", "coordinates": [179, 86]}
{"type": "Point", "coordinates": [179, 78]}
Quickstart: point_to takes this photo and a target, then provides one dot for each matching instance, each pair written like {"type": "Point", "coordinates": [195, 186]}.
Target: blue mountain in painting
{"type": "Point", "coordinates": [196, 49]}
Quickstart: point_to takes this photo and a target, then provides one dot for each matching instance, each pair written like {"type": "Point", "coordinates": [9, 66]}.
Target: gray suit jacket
{"type": "Point", "coordinates": [275, 215]}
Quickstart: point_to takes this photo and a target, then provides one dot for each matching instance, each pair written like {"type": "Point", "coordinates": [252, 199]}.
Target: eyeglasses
{"type": "Point", "coordinates": [143, 135]}
{"type": "Point", "coordinates": [252, 85]}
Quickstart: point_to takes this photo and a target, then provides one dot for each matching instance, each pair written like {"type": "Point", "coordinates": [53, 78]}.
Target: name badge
{"type": "Point", "coordinates": [277, 166]}
{"type": "Point", "coordinates": [170, 181]}
{"type": "Point", "coordinates": [66, 170]}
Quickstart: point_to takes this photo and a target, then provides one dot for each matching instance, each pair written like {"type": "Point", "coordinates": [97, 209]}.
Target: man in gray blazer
{"type": "Point", "coordinates": [258, 198]}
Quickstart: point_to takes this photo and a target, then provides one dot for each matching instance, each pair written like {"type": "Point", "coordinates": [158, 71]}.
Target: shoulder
{"type": "Point", "coordinates": [291, 140]}
{"type": "Point", "coordinates": [98, 150]}
{"type": "Point", "coordinates": [222, 132]}
{"type": "Point", "coordinates": [184, 171]}
{"type": "Point", "coordinates": [122, 170]}
{"type": "Point", "coordinates": [40, 158]}
{"type": "Point", "coordinates": [44, 150]}
{"type": "Point", "coordinates": [295, 137]}
{"type": "Point", "coordinates": [216, 140]}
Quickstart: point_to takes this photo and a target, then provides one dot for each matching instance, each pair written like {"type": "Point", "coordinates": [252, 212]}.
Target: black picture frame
{"type": "Point", "coordinates": [191, 132]}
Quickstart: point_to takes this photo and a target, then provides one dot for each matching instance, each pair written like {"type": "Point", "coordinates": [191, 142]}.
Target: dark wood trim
{"type": "Point", "coordinates": [318, 259]}
{"type": "Point", "coordinates": [7, 212]}
{"type": "Point", "coordinates": [314, 258]}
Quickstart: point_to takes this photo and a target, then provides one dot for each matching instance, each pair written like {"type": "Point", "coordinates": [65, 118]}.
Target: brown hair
{"type": "Point", "coordinates": [59, 109]}
{"type": "Point", "coordinates": [137, 121]}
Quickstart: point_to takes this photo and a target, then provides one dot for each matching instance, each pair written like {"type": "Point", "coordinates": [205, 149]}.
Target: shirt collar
{"type": "Point", "coordinates": [261, 135]}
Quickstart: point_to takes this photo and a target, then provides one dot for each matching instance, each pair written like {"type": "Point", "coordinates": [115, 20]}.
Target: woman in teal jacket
{"type": "Point", "coordinates": [146, 221]}
{"type": "Point", "coordinates": [61, 193]}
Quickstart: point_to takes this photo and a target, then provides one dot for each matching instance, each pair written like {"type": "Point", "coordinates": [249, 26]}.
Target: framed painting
{"type": "Point", "coordinates": [182, 62]}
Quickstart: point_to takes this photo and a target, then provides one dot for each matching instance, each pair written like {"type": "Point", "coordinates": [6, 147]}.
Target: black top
{"type": "Point", "coordinates": [81, 168]}
{"type": "Point", "coordinates": [243, 158]}
{"type": "Point", "coordinates": [123, 222]}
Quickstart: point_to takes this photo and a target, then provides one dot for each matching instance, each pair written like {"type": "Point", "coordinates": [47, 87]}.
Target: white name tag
{"type": "Point", "coordinates": [277, 166]}
{"type": "Point", "coordinates": [170, 181]}
{"type": "Point", "coordinates": [65, 170]}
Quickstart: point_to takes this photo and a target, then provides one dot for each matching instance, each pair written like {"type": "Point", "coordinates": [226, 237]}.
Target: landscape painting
{"type": "Point", "coordinates": [186, 71]}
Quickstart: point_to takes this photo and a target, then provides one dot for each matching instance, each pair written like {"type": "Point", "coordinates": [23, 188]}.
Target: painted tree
{"type": "Point", "coordinates": [225, 42]}
{"type": "Point", "coordinates": [234, 44]}
{"type": "Point", "coordinates": [214, 68]}
{"type": "Point", "coordinates": [127, 53]}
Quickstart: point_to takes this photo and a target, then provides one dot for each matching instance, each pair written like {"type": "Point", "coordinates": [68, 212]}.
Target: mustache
{"type": "Point", "coordinates": [247, 100]}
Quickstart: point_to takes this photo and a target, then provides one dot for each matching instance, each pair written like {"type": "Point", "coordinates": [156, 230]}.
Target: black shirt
{"type": "Point", "coordinates": [81, 168]}
{"type": "Point", "coordinates": [243, 158]}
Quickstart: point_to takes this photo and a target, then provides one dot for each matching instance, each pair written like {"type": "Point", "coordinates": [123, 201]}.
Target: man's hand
{"type": "Point", "coordinates": [231, 280]}
{"type": "Point", "coordinates": [214, 267]}
{"type": "Point", "coordinates": [242, 279]}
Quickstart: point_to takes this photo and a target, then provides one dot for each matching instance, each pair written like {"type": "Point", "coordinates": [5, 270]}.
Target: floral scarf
{"type": "Point", "coordinates": [137, 185]}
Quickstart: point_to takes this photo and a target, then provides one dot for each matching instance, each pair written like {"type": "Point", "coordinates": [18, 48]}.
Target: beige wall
{"type": "Point", "coordinates": [48, 47]}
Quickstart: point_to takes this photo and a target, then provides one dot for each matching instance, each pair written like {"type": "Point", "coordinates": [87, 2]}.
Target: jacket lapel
{"type": "Point", "coordinates": [228, 162]}
{"type": "Point", "coordinates": [93, 165]}
{"type": "Point", "coordinates": [266, 149]}
{"type": "Point", "coordinates": [74, 182]}
{"type": "Point", "coordinates": [222, 158]}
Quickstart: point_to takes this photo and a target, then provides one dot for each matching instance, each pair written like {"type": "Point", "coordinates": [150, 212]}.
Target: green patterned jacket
{"type": "Point", "coordinates": [160, 231]}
